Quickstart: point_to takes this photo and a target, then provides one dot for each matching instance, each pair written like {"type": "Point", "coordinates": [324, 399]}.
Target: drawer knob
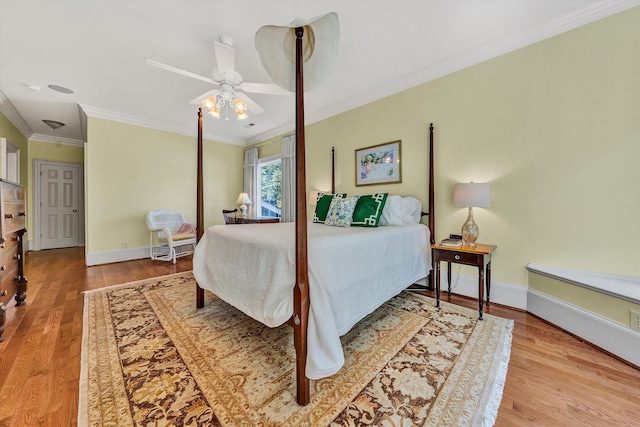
{"type": "Point", "coordinates": [3, 267]}
{"type": "Point", "coordinates": [3, 293]}
{"type": "Point", "coordinates": [457, 257]}
{"type": "Point", "coordinates": [22, 214]}
{"type": "Point", "coordinates": [8, 216]}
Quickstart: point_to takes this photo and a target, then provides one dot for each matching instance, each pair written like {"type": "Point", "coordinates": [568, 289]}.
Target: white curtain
{"type": "Point", "coordinates": [288, 210]}
{"type": "Point", "coordinates": [250, 183]}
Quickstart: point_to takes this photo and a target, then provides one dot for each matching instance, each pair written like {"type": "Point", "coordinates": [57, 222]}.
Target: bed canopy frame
{"type": "Point", "coordinates": [299, 320]}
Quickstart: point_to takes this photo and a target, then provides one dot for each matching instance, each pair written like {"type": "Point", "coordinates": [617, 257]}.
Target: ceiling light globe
{"type": "Point", "coordinates": [209, 103]}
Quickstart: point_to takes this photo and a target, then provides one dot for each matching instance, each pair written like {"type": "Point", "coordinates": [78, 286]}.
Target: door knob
{"type": "Point", "coordinates": [75, 210]}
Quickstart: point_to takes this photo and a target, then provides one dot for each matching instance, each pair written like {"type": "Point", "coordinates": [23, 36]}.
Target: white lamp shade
{"type": "Point", "coordinates": [472, 195]}
{"type": "Point", "coordinates": [243, 199]}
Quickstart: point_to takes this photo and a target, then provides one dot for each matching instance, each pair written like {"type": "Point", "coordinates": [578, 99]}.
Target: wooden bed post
{"type": "Point", "coordinates": [432, 218]}
{"type": "Point", "coordinates": [199, 205]}
{"type": "Point", "coordinates": [301, 289]}
{"type": "Point", "coordinates": [333, 170]}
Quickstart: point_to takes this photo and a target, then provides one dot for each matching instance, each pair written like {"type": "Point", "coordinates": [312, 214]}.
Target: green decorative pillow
{"type": "Point", "coordinates": [369, 210]}
{"type": "Point", "coordinates": [341, 211]}
{"type": "Point", "coordinates": [322, 205]}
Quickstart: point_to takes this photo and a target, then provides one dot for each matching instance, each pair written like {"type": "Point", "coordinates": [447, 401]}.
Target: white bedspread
{"type": "Point", "coordinates": [352, 271]}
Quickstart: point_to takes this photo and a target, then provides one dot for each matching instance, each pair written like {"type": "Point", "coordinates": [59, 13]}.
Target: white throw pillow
{"type": "Point", "coordinates": [401, 210]}
{"type": "Point", "coordinates": [413, 210]}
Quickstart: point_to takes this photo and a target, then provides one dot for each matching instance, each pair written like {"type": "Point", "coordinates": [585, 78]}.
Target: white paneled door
{"type": "Point", "coordinates": [59, 206]}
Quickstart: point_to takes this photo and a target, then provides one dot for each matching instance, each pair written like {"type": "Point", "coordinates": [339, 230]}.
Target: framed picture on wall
{"type": "Point", "coordinates": [378, 164]}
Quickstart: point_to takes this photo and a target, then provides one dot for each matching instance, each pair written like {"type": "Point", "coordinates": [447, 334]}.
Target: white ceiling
{"type": "Point", "coordinates": [98, 49]}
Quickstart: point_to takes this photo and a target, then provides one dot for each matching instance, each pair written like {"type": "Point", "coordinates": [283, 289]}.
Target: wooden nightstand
{"type": "Point", "coordinates": [479, 256]}
{"type": "Point", "coordinates": [247, 220]}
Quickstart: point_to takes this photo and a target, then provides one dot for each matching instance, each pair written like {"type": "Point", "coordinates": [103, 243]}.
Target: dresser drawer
{"type": "Point", "coordinates": [12, 193]}
{"type": "Point", "coordinates": [8, 285]}
{"type": "Point", "coordinates": [14, 216]}
{"type": "Point", "coordinates": [11, 241]}
{"type": "Point", "coordinates": [459, 257]}
{"type": "Point", "coordinates": [8, 260]}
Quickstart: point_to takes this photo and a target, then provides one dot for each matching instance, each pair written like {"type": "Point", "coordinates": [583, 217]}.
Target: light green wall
{"type": "Point", "coordinates": [270, 147]}
{"type": "Point", "coordinates": [39, 150]}
{"type": "Point", "coordinates": [13, 135]}
{"type": "Point", "coordinates": [554, 127]}
{"type": "Point", "coordinates": [131, 170]}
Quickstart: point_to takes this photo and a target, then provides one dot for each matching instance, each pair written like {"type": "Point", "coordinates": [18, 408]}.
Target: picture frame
{"type": "Point", "coordinates": [379, 164]}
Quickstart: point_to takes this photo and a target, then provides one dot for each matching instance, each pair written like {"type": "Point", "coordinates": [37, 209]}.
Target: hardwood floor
{"type": "Point", "coordinates": [554, 379]}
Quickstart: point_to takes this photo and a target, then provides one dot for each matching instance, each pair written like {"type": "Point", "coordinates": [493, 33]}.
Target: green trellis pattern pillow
{"type": "Point", "coordinates": [341, 211]}
{"type": "Point", "coordinates": [369, 210]}
{"type": "Point", "coordinates": [322, 205]}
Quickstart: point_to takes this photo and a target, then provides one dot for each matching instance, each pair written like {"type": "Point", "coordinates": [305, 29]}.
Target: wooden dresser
{"type": "Point", "coordinates": [12, 229]}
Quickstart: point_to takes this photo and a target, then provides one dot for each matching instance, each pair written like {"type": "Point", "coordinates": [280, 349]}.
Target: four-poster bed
{"type": "Point", "coordinates": [245, 261]}
{"type": "Point", "coordinates": [296, 308]}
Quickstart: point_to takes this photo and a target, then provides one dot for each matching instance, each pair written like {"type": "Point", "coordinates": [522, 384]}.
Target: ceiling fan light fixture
{"type": "Point", "coordinates": [215, 111]}
{"type": "Point", "coordinates": [209, 103]}
{"type": "Point", "coordinates": [53, 124]}
{"type": "Point", "coordinates": [241, 109]}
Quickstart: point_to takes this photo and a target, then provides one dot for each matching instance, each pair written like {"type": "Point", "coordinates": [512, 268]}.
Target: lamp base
{"type": "Point", "coordinates": [470, 231]}
{"type": "Point", "coordinates": [243, 211]}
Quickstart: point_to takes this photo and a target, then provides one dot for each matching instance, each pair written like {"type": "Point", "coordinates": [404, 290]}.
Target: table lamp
{"type": "Point", "coordinates": [243, 201]}
{"type": "Point", "coordinates": [313, 197]}
{"type": "Point", "coordinates": [471, 195]}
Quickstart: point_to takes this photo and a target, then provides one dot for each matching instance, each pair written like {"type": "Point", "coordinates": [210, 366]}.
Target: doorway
{"type": "Point", "coordinates": [58, 204]}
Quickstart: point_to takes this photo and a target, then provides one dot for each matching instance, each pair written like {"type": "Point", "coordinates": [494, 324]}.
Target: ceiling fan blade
{"type": "Point", "coordinates": [253, 107]}
{"type": "Point", "coordinates": [268, 88]}
{"type": "Point", "coordinates": [225, 58]}
{"type": "Point", "coordinates": [198, 100]}
{"type": "Point", "coordinates": [179, 71]}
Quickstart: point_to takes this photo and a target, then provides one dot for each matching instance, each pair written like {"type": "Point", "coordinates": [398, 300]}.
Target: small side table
{"type": "Point", "coordinates": [479, 256]}
{"type": "Point", "coordinates": [247, 220]}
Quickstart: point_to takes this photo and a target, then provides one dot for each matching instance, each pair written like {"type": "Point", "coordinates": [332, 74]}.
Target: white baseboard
{"type": "Point", "coordinates": [611, 336]}
{"type": "Point", "coordinates": [501, 293]}
{"type": "Point", "coordinates": [117, 255]}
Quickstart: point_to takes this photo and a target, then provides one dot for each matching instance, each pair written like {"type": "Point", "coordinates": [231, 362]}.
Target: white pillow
{"type": "Point", "coordinates": [401, 210]}
{"type": "Point", "coordinates": [414, 210]}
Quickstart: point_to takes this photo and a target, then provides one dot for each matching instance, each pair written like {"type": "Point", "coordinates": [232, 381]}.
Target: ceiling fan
{"type": "Point", "coordinates": [229, 93]}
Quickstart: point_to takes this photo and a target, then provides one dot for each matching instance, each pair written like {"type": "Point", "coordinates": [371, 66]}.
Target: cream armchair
{"type": "Point", "coordinates": [170, 235]}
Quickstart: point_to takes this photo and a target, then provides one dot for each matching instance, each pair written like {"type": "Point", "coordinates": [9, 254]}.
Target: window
{"type": "Point", "coordinates": [269, 187]}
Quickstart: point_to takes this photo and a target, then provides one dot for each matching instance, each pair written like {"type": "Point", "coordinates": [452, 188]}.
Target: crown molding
{"type": "Point", "coordinates": [439, 69]}
{"type": "Point", "coordinates": [10, 112]}
{"type": "Point", "coordinates": [277, 131]}
{"type": "Point", "coordinates": [56, 140]}
{"type": "Point", "coordinates": [458, 62]}
{"type": "Point", "coordinates": [101, 113]}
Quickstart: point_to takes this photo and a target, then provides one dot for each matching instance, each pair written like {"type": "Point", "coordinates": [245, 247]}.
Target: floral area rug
{"type": "Point", "coordinates": [150, 358]}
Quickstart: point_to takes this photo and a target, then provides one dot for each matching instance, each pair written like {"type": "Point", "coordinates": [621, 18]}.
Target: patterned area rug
{"type": "Point", "coordinates": [150, 358]}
